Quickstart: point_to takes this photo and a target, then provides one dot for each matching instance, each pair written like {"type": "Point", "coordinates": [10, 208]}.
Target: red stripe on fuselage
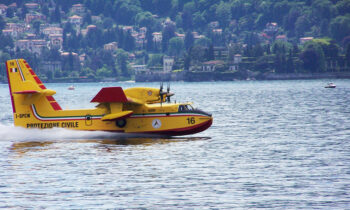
{"type": "Point", "coordinates": [9, 83]}
{"type": "Point", "coordinates": [189, 115]}
{"type": "Point", "coordinates": [184, 131]}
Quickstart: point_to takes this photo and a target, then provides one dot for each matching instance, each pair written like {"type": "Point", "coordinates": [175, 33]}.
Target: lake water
{"type": "Point", "coordinates": [274, 144]}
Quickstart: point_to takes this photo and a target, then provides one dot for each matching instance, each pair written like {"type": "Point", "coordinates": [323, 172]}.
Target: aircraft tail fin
{"type": "Point", "coordinates": [27, 89]}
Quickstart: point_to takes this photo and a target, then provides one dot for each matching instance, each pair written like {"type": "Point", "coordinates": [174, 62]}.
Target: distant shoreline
{"type": "Point", "coordinates": [211, 76]}
{"type": "Point", "coordinates": [244, 75]}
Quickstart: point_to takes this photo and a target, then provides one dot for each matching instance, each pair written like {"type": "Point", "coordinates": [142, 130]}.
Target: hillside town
{"type": "Point", "coordinates": [68, 41]}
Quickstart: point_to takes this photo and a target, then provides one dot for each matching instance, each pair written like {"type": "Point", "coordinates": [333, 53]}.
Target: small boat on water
{"type": "Point", "coordinates": [330, 85]}
{"type": "Point", "coordinates": [71, 87]}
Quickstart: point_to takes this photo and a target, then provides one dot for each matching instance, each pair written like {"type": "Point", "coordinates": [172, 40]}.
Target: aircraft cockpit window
{"type": "Point", "coordinates": [181, 108]}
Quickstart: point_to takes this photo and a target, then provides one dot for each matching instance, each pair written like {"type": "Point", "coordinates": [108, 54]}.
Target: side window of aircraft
{"type": "Point", "coordinates": [181, 108]}
{"type": "Point", "coordinates": [185, 108]}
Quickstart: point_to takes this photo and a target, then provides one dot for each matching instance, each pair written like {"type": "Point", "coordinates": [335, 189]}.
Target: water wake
{"type": "Point", "coordinates": [12, 133]}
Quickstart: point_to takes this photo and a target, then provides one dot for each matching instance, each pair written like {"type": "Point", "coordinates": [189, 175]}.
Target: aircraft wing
{"type": "Point", "coordinates": [117, 116]}
{"type": "Point", "coordinates": [114, 95]}
{"type": "Point", "coordinates": [115, 98]}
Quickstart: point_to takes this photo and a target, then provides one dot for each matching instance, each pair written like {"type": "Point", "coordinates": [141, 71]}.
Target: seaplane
{"type": "Point", "coordinates": [133, 110]}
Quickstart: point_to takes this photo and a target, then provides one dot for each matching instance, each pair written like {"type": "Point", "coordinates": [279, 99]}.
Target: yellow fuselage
{"type": "Point", "coordinates": [135, 110]}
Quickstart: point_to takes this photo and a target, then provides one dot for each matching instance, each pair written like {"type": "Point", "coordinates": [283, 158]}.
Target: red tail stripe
{"type": "Point", "coordinates": [37, 80]}
{"type": "Point", "coordinates": [50, 98]}
{"type": "Point", "coordinates": [32, 72]}
{"type": "Point", "coordinates": [8, 79]}
{"type": "Point", "coordinates": [56, 106]}
{"type": "Point", "coordinates": [53, 103]}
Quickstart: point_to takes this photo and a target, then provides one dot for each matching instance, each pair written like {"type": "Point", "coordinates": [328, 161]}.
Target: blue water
{"type": "Point", "coordinates": [273, 144]}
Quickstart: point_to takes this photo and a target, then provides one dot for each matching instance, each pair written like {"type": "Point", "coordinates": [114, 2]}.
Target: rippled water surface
{"type": "Point", "coordinates": [275, 144]}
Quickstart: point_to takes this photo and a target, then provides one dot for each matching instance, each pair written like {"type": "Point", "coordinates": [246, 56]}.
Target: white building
{"type": "Point", "coordinates": [140, 69]}
{"type": "Point", "coordinates": [168, 62]}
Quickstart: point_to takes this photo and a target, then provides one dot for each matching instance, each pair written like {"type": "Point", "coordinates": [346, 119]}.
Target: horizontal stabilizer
{"type": "Point", "coordinates": [45, 92]}
{"type": "Point", "coordinates": [117, 116]}
{"type": "Point", "coordinates": [27, 92]}
{"type": "Point", "coordinates": [109, 95]}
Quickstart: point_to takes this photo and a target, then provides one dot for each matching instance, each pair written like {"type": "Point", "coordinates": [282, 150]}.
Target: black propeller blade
{"type": "Point", "coordinates": [168, 93]}
{"type": "Point", "coordinates": [161, 93]}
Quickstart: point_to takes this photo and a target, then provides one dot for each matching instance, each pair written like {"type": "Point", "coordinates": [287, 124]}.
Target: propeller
{"type": "Point", "coordinates": [167, 94]}
{"type": "Point", "coordinates": [161, 93]}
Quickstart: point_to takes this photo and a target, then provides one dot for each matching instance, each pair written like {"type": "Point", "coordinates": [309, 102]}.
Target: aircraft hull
{"type": "Point", "coordinates": [128, 111]}
{"type": "Point", "coordinates": [159, 123]}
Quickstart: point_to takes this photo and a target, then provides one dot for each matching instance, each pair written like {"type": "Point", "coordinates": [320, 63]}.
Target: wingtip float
{"type": "Point", "coordinates": [133, 110]}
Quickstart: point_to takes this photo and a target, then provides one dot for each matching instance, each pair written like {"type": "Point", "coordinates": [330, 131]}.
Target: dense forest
{"type": "Point", "coordinates": [251, 28]}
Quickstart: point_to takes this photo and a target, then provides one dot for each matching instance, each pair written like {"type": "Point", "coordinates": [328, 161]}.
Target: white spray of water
{"type": "Point", "coordinates": [12, 133]}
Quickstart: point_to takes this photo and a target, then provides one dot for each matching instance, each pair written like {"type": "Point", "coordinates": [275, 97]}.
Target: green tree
{"type": "Point", "coordinates": [122, 58]}
{"type": "Point", "coordinates": [313, 57]}
{"type": "Point", "coordinates": [322, 9]}
{"type": "Point", "coordinates": [56, 15]}
{"type": "Point", "coordinates": [129, 42]}
{"type": "Point", "coordinates": [87, 18]}
{"type": "Point", "coordinates": [302, 25]}
{"type": "Point", "coordinates": [24, 12]}
{"type": "Point", "coordinates": [204, 42]}
{"type": "Point", "coordinates": [290, 63]}
{"type": "Point", "coordinates": [280, 8]}
{"type": "Point", "coordinates": [197, 54]}
{"type": "Point", "coordinates": [2, 24]}
{"type": "Point", "coordinates": [211, 55]}
{"type": "Point", "coordinates": [125, 14]}
{"type": "Point", "coordinates": [10, 12]}
{"type": "Point", "coordinates": [343, 7]}
{"type": "Point", "coordinates": [189, 40]}
{"type": "Point", "coordinates": [149, 38]}
{"type": "Point", "coordinates": [187, 62]}
{"type": "Point", "coordinates": [161, 7]}
{"type": "Point", "coordinates": [145, 19]}
{"type": "Point", "coordinates": [198, 20]}
{"type": "Point", "coordinates": [340, 27]}
{"type": "Point", "coordinates": [45, 10]}
{"type": "Point", "coordinates": [5, 42]}
{"type": "Point", "coordinates": [223, 13]}
{"type": "Point", "coordinates": [262, 64]}
{"type": "Point", "coordinates": [155, 60]}
{"type": "Point", "coordinates": [186, 20]}
{"type": "Point", "coordinates": [347, 55]}
{"type": "Point", "coordinates": [168, 33]}
{"type": "Point", "coordinates": [104, 72]}
{"type": "Point", "coordinates": [176, 46]}
{"type": "Point", "coordinates": [36, 26]}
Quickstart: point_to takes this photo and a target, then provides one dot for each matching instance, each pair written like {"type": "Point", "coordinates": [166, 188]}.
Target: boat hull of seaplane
{"type": "Point", "coordinates": [133, 110]}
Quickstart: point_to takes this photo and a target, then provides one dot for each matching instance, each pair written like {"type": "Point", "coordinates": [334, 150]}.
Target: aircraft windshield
{"type": "Point", "coordinates": [183, 108]}
{"type": "Point", "coordinates": [189, 108]}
